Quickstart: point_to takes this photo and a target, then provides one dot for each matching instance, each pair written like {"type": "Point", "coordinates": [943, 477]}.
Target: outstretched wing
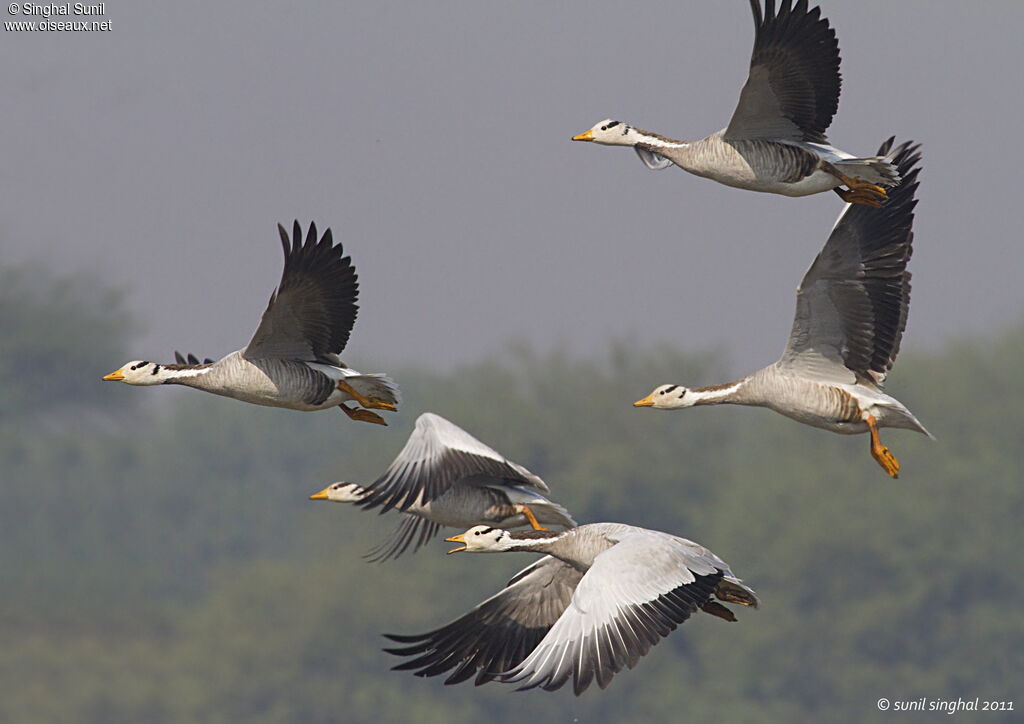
{"type": "Point", "coordinates": [634, 595]}
{"type": "Point", "coordinates": [191, 359]}
{"type": "Point", "coordinates": [792, 91]}
{"type": "Point", "coordinates": [312, 311]}
{"type": "Point", "coordinates": [851, 307]}
{"type": "Point", "coordinates": [498, 633]}
{"type": "Point", "coordinates": [652, 160]}
{"type": "Point", "coordinates": [438, 455]}
{"type": "Point", "coordinates": [412, 529]}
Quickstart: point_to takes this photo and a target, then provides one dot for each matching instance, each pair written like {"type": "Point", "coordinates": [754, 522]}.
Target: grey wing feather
{"type": "Point", "coordinates": [652, 160]}
{"type": "Point", "coordinates": [412, 530]}
{"type": "Point", "coordinates": [313, 309]}
{"type": "Point", "coordinates": [634, 594]}
{"type": "Point", "coordinates": [437, 456]}
{"type": "Point", "coordinates": [191, 359]}
{"type": "Point", "coordinates": [498, 633]}
{"type": "Point", "coordinates": [792, 91]}
{"type": "Point", "coordinates": [853, 301]}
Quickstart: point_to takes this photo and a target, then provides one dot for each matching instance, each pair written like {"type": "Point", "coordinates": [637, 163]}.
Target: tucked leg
{"type": "Point", "coordinates": [363, 415]}
{"type": "Point", "coordinates": [717, 609]}
{"type": "Point", "coordinates": [525, 510]}
{"type": "Point", "coordinates": [860, 191]}
{"type": "Point", "coordinates": [368, 402]}
{"type": "Point", "coordinates": [858, 197]}
{"type": "Point", "coordinates": [879, 451]}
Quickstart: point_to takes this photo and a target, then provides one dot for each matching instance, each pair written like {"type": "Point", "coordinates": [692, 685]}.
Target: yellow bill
{"type": "Point", "coordinates": [322, 495]}
{"type": "Point", "coordinates": [646, 402]}
{"type": "Point", "coordinates": [585, 136]}
{"type": "Point", "coordinates": [460, 538]}
{"type": "Point", "coordinates": [115, 376]}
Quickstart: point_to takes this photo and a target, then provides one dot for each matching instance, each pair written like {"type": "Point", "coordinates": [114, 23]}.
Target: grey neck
{"type": "Point", "coordinates": [740, 392]}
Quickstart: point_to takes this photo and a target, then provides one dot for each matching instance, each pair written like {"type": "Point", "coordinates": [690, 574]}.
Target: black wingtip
{"type": "Point", "coordinates": [286, 243]}
{"type": "Point", "coordinates": [755, 6]}
{"type": "Point", "coordinates": [905, 157]}
{"type": "Point", "coordinates": [404, 638]}
{"type": "Point", "coordinates": [178, 358]}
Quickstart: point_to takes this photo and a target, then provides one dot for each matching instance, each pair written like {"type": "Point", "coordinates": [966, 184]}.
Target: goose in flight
{"type": "Point", "coordinates": [851, 310]}
{"type": "Point", "coordinates": [600, 598]}
{"type": "Point", "coordinates": [446, 477]}
{"type": "Point", "coordinates": [292, 359]}
{"type": "Point", "coordinates": [775, 141]}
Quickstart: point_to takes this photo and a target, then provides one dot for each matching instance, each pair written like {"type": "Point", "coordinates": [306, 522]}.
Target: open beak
{"type": "Point", "coordinates": [585, 136]}
{"type": "Point", "coordinates": [460, 538]}
{"type": "Point", "coordinates": [646, 402]}
{"type": "Point", "coordinates": [114, 376]}
{"type": "Point", "coordinates": [322, 495]}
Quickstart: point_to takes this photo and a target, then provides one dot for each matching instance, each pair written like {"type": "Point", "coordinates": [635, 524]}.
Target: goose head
{"type": "Point", "coordinates": [340, 493]}
{"type": "Point", "coordinates": [668, 397]}
{"type": "Point", "coordinates": [481, 539]}
{"type": "Point", "coordinates": [609, 133]}
{"type": "Point", "coordinates": [139, 372]}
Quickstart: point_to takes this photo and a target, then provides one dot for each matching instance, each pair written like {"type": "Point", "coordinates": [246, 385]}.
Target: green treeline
{"type": "Point", "coordinates": [161, 562]}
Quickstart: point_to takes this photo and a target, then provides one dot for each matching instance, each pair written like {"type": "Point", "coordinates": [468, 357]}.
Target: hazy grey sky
{"type": "Point", "coordinates": [434, 139]}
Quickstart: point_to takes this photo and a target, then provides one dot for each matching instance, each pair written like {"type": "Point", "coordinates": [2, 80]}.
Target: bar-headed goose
{"type": "Point", "coordinates": [601, 597]}
{"type": "Point", "coordinates": [775, 141]}
{"type": "Point", "coordinates": [292, 359]}
{"type": "Point", "coordinates": [446, 477]}
{"type": "Point", "coordinates": [851, 310]}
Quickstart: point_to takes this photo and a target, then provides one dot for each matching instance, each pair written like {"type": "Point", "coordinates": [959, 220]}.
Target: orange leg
{"type": "Point", "coordinates": [860, 191]}
{"type": "Point", "coordinates": [363, 415]}
{"type": "Point", "coordinates": [525, 510]}
{"type": "Point", "coordinates": [859, 197]}
{"type": "Point", "coordinates": [368, 402]}
{"type": "Point", "coordinates": [879, 451]}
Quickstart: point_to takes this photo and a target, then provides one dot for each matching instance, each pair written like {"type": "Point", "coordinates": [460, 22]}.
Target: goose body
{"type": "Point", "coordinates": [776, 140]}
{"type": "Point", "coordinates": [292, 359]}
{"type": "Point", "coordinates": [850, 316]}
{"type": "Point", "coordinates": [446, 477]}
{"type": "Point", "coordinates": [601, 596]}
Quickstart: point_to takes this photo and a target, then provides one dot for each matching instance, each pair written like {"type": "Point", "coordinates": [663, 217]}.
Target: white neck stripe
{"type": "Point", "coordinates": [532, 542]}
{"type": "Point", "coordinates": [187, 373]}
{"type": "Point", "coordinates": [660, 143]}
{"type": "Point", "coordinates": [715, 394]}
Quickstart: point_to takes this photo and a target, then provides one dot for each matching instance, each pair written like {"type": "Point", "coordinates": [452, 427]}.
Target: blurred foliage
{"type": "Point", "coordinates": [162, 562]}
{"type": "Point", "coordinates": [47, 321]}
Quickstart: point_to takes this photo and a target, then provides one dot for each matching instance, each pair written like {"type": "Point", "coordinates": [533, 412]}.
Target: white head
{"type": "Point", "coordinates": [482, 539]}
{"type": "Point", "coordinates": [610, 133]}
{"type": "Point", "coordinates": [341, 493]}
{"type": "Point", "coordinates": [668, 397]}
{"type": "Point", "coordinates": [139, 372]}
